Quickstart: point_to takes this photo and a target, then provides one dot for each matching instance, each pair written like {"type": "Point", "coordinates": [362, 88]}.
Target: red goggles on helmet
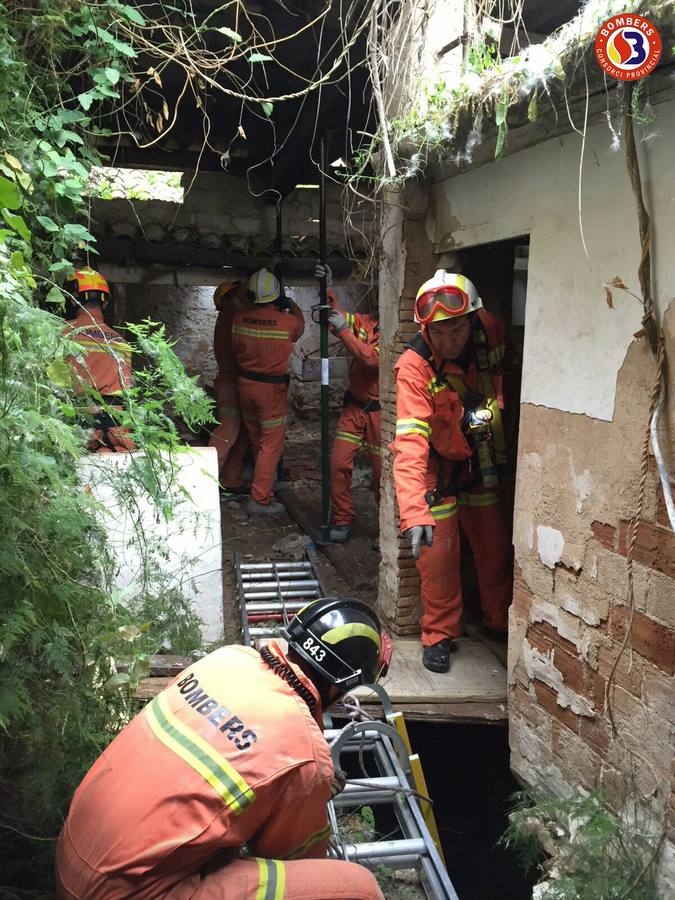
{"type": "Point", "coordinates": [448, 300]}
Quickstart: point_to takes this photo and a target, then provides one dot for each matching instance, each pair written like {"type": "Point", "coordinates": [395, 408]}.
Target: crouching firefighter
{"type": "Point", "coordinates": [359, 422]}
{"type": "Point", "coordinates": [262, 341]}
{"type": "Point", "coordinates": [231, 753]}
{"type": "Point", "coordinates": [449, 444]}
{"type": "Point", "coordinates": [104, 363]}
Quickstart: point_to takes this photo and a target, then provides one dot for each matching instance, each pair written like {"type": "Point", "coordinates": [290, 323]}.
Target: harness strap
{"type": "Point", "coordinates": [267, 379]}
{"type": "Point", "coordinates": [370, 406]}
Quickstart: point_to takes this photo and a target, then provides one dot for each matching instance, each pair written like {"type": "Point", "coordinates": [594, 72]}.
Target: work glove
{"type": "Point", "coordinates": [338, 320]}
{"type": "Point", "coordinates": [418, 535]}
{"type": "Point", "coordinates": [284, 303]}
{"type": "Point", "coordinates": [322, 271]}
{"type": "Point", "coordinates": [338, 783]}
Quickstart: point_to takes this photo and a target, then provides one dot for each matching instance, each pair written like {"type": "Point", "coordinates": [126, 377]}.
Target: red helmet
{"type": "Point", "coordinates": [223, 289]}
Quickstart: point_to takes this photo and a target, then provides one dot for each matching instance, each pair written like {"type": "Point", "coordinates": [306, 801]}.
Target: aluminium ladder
{"type": "Point", "coordinates": [270, 594]}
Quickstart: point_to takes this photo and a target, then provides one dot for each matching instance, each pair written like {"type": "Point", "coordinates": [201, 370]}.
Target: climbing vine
{"type": "Point", "coordinates": [72, 645]}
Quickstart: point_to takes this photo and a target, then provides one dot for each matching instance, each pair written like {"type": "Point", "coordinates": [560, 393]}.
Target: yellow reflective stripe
{"type": "Point", "coordinates": [444, 510]}
{"type": "Point", "coordinates": [271, 879]}
{"type": "Point", "coordinates": [488, 499]}
{"type": "Point", "coordinates": [435, 387]}
{"type": "Point", "coordinates": [351, 629]}
{"type": "Point", "coordinates": [272, 423]}
{"type": "Point", "coordinates": [374, 448]}
{"type": "Point", "coordinates": [301, 849]}
{"type": "Point", "coordinates": [347, 436]}
{"type": "Point", "coordinates": [496, 355]}
{"type": "Point", "coordinates": [363, 334]}
{"type": "Point", "coordinates": [260, 332]}
{"type": "Point", "coordinates": [413, 426]}
{"type": "Point", "coordinates": [350, 318]}
{"type": "Point", "coordinates": [104, 346]}
{"type": "Point", "coordinates": [199, 755]}
{"type": "Point", "coordinates": [377, 348]}
{"type": "Point", "coordinates": [231, 411]}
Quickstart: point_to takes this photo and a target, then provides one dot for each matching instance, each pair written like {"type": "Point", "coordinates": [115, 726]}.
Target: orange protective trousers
{"type": "Point", "coordinates": [439, 567]}
{"type": "Point", "coordinates": [264, 410]}
{"type": "Point", "coordinates": [306, 879]}
{"type": "Point", "coordinates": [229, 437]}
{"type": "Point", "coordinates": [356, 428]}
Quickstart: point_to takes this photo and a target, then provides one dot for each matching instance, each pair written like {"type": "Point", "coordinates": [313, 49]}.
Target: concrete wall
{"type": "Point", "coordinates": [586, 390]}
{"type": "Point", "coordinates": [187, 549]}
{"type": "Point", "coordinates": [218, 212]}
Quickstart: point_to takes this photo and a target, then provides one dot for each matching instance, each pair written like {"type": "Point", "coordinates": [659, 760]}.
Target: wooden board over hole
{"type": "Point", "coordinates": [473, 690]}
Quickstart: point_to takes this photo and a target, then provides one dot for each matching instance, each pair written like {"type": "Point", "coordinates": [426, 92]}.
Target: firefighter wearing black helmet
{"type": "Point", "coordinates": [230, 753]}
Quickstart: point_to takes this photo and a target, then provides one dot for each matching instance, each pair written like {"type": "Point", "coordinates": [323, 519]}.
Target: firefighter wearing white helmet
{"type": "Point", "coordinates": [264, 287]}
{"type": "Point", "coordinates": [263, 336]}
{"type": "Point", "coordinates": [447, 452]}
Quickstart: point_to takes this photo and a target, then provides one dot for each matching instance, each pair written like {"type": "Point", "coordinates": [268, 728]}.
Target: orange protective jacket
{"type": "Point", "coordinates": [222, 336]}
{"type": "Point", "coordinates": [106, 363]}
{"type": "Point", "coordinates": [263, 338]}
{"type": "Point", "coordinates": [361, 337]}
{"type": "Point", "coordinates": [227, 754]}
{"type": "Point", "coordinates": [429, 411]}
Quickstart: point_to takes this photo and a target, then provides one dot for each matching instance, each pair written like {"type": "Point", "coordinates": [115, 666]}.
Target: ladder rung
{"type": "Point", "coordinates": [255, 577]}
{"type": "Point", "coordinates": [310, 594]}
{"type": "Point", "coordinates": [270, 567]}
{"type": "Point", "coordinates": [408, 847]}
{"type": "Point", "coordinates": [282, 585]}
{"type": "Point", "coordinates": [260, 606]}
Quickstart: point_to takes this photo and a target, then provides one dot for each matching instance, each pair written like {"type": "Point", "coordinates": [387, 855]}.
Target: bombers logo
{"type": "Point", "coordinates": [628, 47]}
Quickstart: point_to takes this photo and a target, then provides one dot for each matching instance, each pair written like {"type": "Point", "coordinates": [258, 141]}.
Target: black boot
{"type": "Point", "coordinates": [437, 657]}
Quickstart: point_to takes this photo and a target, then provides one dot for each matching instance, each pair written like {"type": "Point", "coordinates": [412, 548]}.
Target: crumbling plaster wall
{"type": "Point", "coordinates": [585, 399]}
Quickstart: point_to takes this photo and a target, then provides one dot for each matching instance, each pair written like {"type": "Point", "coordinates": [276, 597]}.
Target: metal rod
{"type": "Point", "coordinates": [284, 574]}
{"type": "Point", "coordinates": [386, 849]}
{"type": "Point", "coordinates": [256, 607]}
{"type": "Point", "coordinates": [284, 585]}
{"type": "Point", "coordinates": [286, 595]}
{"type": "Point", "coordinates": [323, 322]}
{"type": "Point", "coordinates": [272, 567]}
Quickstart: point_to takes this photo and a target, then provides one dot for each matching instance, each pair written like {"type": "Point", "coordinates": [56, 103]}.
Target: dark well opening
{"type": "Point", "coordinates": [468, 776]}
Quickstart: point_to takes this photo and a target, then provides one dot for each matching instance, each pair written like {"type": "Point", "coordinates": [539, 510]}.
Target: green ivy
{"type": "Point", "coordinates": [72, 646]}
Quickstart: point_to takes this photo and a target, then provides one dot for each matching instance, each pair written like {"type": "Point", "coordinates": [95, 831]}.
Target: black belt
{"type": "Point", "coordinates": [267, 379]}
{"type": "Point", "coordinates": [350, 400]}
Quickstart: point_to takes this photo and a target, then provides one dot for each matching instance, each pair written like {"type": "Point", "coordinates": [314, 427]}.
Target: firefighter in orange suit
{"type": "Point", "coordinates": [262, 341]}
{"type": "Point", "coordinates": [449, 442]}
{"type": "Point", "coordinates": [359, 422]}
{"type": "Point", "coordinates": [105, 360]}
{"type": "Point", "coordinates": [231, 753]}
{"type": "Point", "coordinates": [229, 437]}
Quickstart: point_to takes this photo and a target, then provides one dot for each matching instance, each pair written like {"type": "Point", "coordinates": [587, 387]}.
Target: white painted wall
{"type": "Point", "coordinates": [191, 540]}
{"type": "Point", "coordinates": [574, 343]}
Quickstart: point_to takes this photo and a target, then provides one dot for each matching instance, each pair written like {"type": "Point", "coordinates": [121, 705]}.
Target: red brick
{"type": "Point", "coordinates": [580, 677]}
{"type": "Point", "coordinates": [650, 639]}
{"type": "Point", "coordinates": [538, 640]}
{"type": "Point", "coordinates": [522, 600]}
{"type": "Point", "coordinates": [577, 757]}
{"type": "Point", "coordinates": [654, 546]}
{"type": "Point", "coordinates": [548, 631]}
{"type": "Point", "coordinates": [627, 676]}
{"type": "Point", "coordinates": [604, 534]}
{"type": "Point", "coordinates": [549, 700]}
{"type": "Point", "coordinates": [595, 732]}
{"type": "Point", "coordinates": [521, 702]}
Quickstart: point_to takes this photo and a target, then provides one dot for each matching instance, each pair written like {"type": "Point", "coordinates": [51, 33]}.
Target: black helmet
{"type": "Point", "coordinates": [341, 638]}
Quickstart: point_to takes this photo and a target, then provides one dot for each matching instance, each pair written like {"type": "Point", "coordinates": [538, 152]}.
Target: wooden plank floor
{"type": "Point", "coordinates": [473, 690]}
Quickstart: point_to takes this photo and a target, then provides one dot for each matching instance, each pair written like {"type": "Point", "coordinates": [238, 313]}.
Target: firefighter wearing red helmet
{"type": "Point", "coordinates": [448, 447]}
{"type": "Point", "coordinates": [104, 362]}
{"type": "Point", "coordinates": [231, 753]}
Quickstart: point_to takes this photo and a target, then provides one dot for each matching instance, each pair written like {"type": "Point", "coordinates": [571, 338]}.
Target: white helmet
{"type": "Point", "coordinates": [264, 286]}
{"type": "Point", "coordinates": [446, 296]}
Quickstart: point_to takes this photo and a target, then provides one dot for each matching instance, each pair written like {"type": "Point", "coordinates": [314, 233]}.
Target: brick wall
{"type": "Point", "coordinates": [399, 581]}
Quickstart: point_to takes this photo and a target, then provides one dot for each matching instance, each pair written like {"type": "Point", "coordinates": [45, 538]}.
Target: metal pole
{"type": "Point", "coordinates": [279, 250]}
{"type": "Point", "coordinates": [323, 322]}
